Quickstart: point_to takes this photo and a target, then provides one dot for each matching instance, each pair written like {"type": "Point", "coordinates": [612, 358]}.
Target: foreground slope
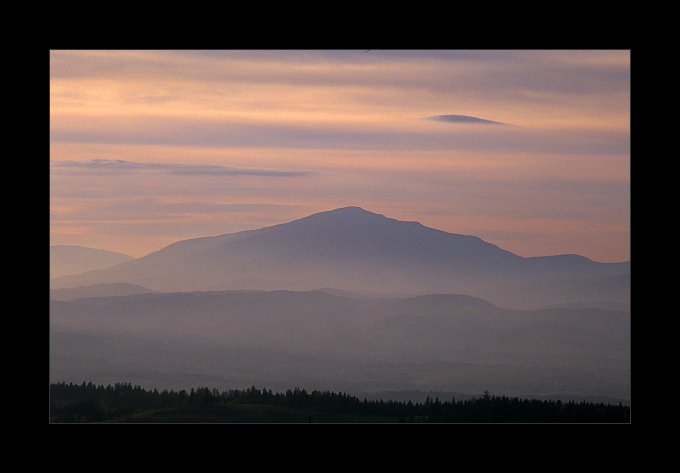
{"type": "Point", "coordinates": [353, 249]}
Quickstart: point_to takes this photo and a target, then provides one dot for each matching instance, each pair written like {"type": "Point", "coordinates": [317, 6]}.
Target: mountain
{"type": "Point", "coordinates": [281, 339]}
{"type": "Point", "coordinates": [65, 259]}
{"type": "Point", "coordinates": [356, 250]}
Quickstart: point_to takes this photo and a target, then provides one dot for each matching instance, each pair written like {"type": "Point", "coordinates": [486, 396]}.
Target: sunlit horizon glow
{"type": "Point", "coordinates": [151, 147]}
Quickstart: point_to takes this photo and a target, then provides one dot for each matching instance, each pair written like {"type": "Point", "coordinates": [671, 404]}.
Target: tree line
{"type": "Point", "coordinates": [86, 402]}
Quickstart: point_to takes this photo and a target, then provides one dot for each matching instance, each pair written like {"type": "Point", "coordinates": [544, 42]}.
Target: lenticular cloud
{"type": "Point", "coordinates": [462, 119]}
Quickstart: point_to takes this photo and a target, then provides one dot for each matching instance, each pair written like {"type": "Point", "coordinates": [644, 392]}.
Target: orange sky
{"type": "Point", "coordinates": [150, 147]}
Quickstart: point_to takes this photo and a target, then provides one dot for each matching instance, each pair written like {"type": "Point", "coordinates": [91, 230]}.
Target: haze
{"type": "Point", "coordinates": [528, 150]}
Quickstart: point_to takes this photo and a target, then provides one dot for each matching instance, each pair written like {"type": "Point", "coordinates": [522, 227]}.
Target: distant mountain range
{"type": "Point", "coordinates": [356, 250]}
{"type": "Point", "coordinates": [67, 259]}
{"type": "Point", "coordinates": [346, 300]}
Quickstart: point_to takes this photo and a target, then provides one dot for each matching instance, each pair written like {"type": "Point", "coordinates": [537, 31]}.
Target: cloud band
{"type": "Point", "coordinates": [121, 165]}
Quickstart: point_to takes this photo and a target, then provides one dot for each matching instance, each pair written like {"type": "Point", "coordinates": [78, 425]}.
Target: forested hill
{"type": "Point", "coordinates": [126, 403]}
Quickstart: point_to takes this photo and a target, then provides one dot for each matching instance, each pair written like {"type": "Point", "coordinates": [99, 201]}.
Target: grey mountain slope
{"type": "Point", "coordinates": [350, 249]}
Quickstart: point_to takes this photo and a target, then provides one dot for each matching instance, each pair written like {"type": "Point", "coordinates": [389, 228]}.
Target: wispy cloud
{"type": "Point", "coordinates": [111, 166]}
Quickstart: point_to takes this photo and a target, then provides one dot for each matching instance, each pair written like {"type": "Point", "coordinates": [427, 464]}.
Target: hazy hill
{"type": "Point", "coordinates": [66, 259]}
{"type": "Point", "coordinates": [97, 290]}
{"type": "Point", "coordinates": [445, 341]}
{"type": "Point", "coordinates": [356, 250]}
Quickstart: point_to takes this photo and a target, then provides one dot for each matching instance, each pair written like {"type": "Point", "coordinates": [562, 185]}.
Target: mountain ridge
{"type": "Point", "coordinates": [348, 248]}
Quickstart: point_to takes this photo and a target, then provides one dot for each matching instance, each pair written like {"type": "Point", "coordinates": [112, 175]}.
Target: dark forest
{"type": "Point", "coordinates": [123, 402]}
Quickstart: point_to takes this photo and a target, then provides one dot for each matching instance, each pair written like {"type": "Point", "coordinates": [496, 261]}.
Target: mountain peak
{"type": "Point", "coordinates": [349, 210]}
{"type": "Point", "coordinates": [343, 215]}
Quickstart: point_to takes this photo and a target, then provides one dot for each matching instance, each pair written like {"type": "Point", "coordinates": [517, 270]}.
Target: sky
{"type": "Point", "coordinates": [528, 150]}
